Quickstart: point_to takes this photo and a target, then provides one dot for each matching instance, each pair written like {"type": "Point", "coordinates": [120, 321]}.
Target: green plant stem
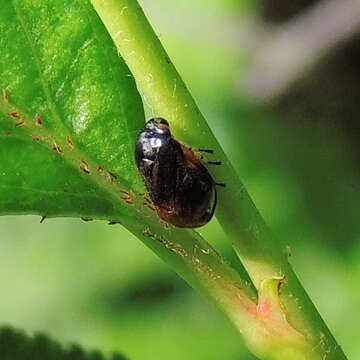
{"type": "Point", "coordinates": [164, 90]}
{"type": "Point", "coordinates": [187, 252]}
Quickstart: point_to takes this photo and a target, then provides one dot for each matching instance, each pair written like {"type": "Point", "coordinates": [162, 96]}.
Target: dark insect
{"type": "Point", "coordinates": [180, 187]}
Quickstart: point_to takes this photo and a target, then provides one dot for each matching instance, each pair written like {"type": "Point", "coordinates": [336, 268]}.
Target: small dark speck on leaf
{"type": "Point", "coordinates": [163, 223]}
{"type": "Point", "coordinates": [149, 207]}
{"type": "Point", "coordinates": [57, 148]}
{"type": "Point", "coordinates": [14, 114]}
{"type": "Point", "coordinates": [127, 200]}
{"type": "Point", "coordinates": [85, 167]}
{"type": "Point", "coordinates": [110, 176]}
{"type": "Point", "coordinates": [38, 121]}
{"type": "Point", "coordinates": [85, 170]}
{"type": "Point", "coordinates": [20, 123]}
{"type": "Point", "coordinates": [69, 141]}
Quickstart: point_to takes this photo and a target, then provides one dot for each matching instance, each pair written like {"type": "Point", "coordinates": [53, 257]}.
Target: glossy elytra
{"type": "Point", "coordinates": [180, 187]}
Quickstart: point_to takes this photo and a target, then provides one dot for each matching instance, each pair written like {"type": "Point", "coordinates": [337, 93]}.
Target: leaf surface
{"type": "Point", "coordinates": [69, 116]}
{"type": "Point", "coordinates": [69, 113]}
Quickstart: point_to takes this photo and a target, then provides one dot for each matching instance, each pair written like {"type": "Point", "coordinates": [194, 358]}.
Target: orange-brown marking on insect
{"type": "Point", "coordinates": [85, 167]}
{"type": "Point", "coordinates": [69, 141]}
{"type": "Point", "coordinates": [7, 133]}
{"type": "Point", "coordinates": [42, 219]}
{"type": "Point", "coordinates": [166, 213]}
{"type": "Point", "coordinates": [14, 115]}
{"type": "Point", "coordinates": [35, 138]}
{"type": "Point", "coordinates": [125, 192]}
{"type": "Point", "coordinates": [38, 121]}
{"type": "Point", "coordinates": [142, 194]}
{"type": "Point", "coordinates": [192, 159]}
{"type": "Point", "coordinates": [100, 169]}
{"type": "Point", "coordinates": [5, 96]}
{"type": "Point", "coordinates": [57, 148]}
{"type": "Point", "coordinates": [164, 127]}
{"type": "Point", "coordinates": [20, 123]}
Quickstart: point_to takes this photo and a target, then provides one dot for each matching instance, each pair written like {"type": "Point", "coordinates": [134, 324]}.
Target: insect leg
{"type": "Point", "coordinates": [209, 151]}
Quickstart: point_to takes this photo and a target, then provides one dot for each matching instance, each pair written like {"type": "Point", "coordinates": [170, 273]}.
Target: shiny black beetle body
{"type": "Point", "coordinates": [180, 187]}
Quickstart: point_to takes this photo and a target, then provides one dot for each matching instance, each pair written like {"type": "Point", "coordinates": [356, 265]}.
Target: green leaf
{"type": "Point", "coordinates": [15, 345]}
{"type": "Point", "coordinates": [69, 116]}
{"type": "Point", "coordinates": [57, 61]}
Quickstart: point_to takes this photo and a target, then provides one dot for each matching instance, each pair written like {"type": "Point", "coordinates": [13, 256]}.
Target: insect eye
{"type": "Point", "coordinates": [160, 121]}
{"type": "Point", "coordinates": [163, 122]}
{"type": "Point", "coordinates": [159, 125]}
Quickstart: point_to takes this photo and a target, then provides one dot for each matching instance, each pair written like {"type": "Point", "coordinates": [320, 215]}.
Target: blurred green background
{"type": "Point", "coordinates": [298, 156]}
